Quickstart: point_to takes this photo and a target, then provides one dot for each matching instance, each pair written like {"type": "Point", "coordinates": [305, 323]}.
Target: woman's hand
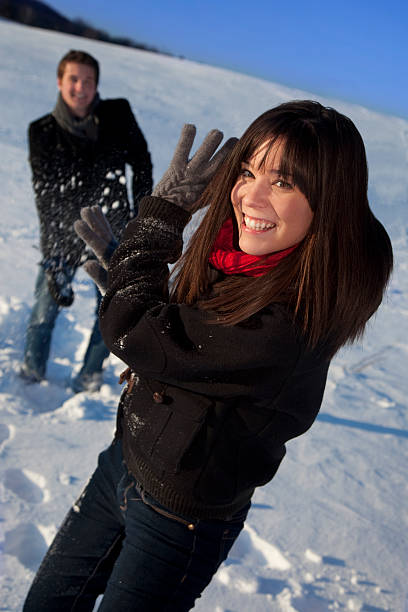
{"type": "Point", "coordinates": [185, 180]}
{"type": "Point", "coordinates": [95, 231]}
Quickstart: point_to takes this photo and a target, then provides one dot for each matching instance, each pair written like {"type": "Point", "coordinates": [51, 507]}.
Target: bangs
{"type": "Point", "coordinates": [300, 160]}
{"type": "Point", "coordinates": [298, 146]}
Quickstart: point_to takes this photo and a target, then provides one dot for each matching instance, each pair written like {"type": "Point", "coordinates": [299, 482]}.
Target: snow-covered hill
{"type": "Point", "coordinates": [330, 531]}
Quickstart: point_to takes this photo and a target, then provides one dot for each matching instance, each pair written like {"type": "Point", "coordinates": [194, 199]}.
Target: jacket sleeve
{"type": "Point", "coordinates": [138, 157]}
{"type": "Point", "coordinates": [48, 192]}
{"type": "Point", "coordinates": [158, 339]}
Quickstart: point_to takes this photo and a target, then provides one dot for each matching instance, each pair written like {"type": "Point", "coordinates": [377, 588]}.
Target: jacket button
{"type": "Point", "coordinates": [158, 397]}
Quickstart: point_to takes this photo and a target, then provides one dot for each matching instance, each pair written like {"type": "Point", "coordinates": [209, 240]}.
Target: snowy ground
{"type": "Point", "coordinates": [330, 531]}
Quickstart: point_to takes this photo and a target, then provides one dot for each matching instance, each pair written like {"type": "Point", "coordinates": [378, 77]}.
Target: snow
{"type": "Point", "coordinates": [330, 531]}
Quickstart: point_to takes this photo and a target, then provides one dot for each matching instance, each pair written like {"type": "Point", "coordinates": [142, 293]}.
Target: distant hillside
{"type": "Point", "coordinates": [41, 15]}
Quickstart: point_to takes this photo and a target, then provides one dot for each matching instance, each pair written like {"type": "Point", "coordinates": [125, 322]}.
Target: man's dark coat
{"type": "Point", "coordinates": [70, 172]}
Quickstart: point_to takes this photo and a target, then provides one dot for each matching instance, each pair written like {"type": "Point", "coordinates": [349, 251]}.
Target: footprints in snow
{"type": "Point", "coordinates": [15, 544]}
{"type": "Point", "coordinates": [256, 568]}
{"type": "Point", "coordinates": [27, 542]}
{"type": "Point", "coordinates": [6, 434]}
{"type": "Point", "coordinates": [27, 485]}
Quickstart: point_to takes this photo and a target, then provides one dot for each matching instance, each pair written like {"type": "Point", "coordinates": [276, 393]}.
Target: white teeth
{"type": "Point", "coordinates": [257, 224]}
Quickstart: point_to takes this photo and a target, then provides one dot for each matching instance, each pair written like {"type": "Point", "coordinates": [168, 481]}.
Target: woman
{"type": "Point", "coordinates": [286, 267]}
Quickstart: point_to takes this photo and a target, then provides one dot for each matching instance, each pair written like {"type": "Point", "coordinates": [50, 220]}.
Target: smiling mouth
{"type": "Point", "coordinates": [258, 225]}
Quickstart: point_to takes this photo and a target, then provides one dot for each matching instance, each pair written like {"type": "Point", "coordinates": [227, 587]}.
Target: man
{"type": "Point", "coordinates": [78, 155]}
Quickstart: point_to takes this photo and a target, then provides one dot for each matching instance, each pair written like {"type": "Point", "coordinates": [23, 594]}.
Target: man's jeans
{"type": "Point", "coordinates": [118, 541]}
{"type": "Point", "coordinates": [40, 328]}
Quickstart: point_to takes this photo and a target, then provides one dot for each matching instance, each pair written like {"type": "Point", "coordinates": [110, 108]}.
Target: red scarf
{"type": "Point", "coordinates": [226, 258]}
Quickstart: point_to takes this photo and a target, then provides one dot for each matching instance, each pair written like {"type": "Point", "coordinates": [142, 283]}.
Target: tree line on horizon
{"type": "Point", "coordinates": [41, 15]}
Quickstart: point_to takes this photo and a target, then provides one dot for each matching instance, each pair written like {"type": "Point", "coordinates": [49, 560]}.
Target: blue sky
{"type": "Point", "coordinates": [355, 51]}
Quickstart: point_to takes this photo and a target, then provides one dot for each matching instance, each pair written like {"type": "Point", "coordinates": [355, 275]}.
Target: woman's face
{"type": "Point", "coordinates": [271, 213]}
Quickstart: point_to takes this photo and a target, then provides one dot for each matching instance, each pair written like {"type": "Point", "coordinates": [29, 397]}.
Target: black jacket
{"type": "Point", "coordinates": [232, 396]}
{"type": "Point", "coordinates": [70, 172]}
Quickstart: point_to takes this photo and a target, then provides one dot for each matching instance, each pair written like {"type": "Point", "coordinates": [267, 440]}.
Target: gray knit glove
{"type": "Point", "coordinates": [95, 231]}
{"type": "Point", "coordinates": [185, 180]}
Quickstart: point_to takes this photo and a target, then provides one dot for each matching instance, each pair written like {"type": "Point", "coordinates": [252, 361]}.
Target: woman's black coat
{"type": "Point", "coordinates": [207, 412]}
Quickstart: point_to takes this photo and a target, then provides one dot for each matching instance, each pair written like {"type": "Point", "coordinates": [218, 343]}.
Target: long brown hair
{"type": "Point", "coordinates": [335, 279]}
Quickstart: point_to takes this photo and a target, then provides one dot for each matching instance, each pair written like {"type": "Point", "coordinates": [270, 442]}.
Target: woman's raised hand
{"type": "Point", "coordinates": [185, 180]}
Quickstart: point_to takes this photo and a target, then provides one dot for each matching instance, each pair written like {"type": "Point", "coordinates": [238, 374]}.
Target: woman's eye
{"type": "Point", "coordinates": [246, 172]}
{"type": "Point", "coordinates": [283, 184]}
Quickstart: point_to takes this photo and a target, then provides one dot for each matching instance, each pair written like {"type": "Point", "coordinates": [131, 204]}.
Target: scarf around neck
{"type": "Point", "coordinates": [86, 127]}
{"type": "Point", "coordinates": [226, 258]}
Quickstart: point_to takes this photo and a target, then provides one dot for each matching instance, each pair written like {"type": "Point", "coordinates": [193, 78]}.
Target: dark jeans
{"type": "Point", "coordinates": [118, 541]}
{"type": "Point", "coordinates": [40, 328]}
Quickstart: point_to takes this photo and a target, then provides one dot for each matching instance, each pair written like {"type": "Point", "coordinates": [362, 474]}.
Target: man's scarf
{"type": "Point", "coordinates": [86, 127]}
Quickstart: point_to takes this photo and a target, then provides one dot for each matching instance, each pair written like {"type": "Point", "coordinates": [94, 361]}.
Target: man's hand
{"type": "Point", "coordinates": [59, 284]}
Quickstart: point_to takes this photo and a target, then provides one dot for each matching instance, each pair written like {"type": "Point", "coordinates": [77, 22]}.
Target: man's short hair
{"type": "Point", "coordinates": [79, 57]}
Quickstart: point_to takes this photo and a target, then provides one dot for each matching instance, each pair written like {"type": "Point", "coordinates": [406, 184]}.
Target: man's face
{"type": "Point", "coordinates": [78, 87]}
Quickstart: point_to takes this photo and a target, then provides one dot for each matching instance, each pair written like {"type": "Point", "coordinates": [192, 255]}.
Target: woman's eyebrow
{"type": "Point", "coordinates": [275, 171]}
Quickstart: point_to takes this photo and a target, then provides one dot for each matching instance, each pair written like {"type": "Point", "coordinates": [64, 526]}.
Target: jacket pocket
{"type": "Point", "coordinates": [163, 432]}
